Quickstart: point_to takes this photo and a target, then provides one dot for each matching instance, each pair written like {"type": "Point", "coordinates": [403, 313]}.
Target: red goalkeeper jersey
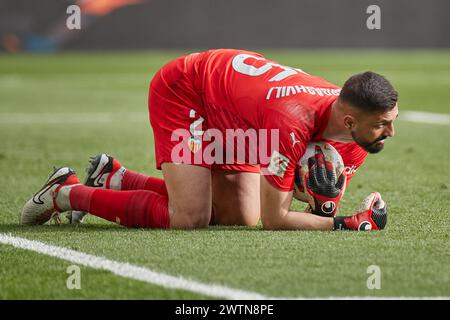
{"type": "Point", "coordinates": [285, 107]}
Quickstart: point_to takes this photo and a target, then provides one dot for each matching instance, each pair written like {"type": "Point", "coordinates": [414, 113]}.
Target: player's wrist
{"type": "Point", "coordinates": [339, 223]}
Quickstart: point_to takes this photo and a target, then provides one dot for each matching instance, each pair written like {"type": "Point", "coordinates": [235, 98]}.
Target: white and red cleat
{"type": "Point", "coordinates": [42, 206]}
{"type": "Point", "coordinates": [103, 172]}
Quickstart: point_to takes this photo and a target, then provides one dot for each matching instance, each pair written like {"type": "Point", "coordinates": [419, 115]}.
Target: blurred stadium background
{"type": "Point", "coordinates": [116, 24]}
{"type": "Point", "coordinates": [69, 94]}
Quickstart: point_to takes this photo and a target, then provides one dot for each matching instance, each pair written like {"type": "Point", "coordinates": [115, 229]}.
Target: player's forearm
{"type": "Point", "coordinates": [298, 221]}
{"type": "Point", "coordinates": [275, 214]}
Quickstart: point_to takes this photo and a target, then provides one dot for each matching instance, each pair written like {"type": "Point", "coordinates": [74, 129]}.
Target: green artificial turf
{"type": "Point", "coordinates": [412, 173]}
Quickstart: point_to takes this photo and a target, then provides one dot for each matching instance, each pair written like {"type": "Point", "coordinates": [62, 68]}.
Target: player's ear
{"type": "Point", "coordinates": [349, 122]}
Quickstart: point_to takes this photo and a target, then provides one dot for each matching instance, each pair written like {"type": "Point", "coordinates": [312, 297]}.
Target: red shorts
{"type": "Point", "coordinates": [178, 117]}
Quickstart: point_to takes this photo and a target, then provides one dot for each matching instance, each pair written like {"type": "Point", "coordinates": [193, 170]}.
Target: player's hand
{"type": "Point", "coordinates": [323, 187]}
{"type": "Point", "coordinates": [371, 215]}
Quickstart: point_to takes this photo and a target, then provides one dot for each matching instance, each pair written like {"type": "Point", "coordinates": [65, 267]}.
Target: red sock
{"type": "Point", "coordinates": [135, 209]}
{"type": "Point", "coordinates": [138, 181]}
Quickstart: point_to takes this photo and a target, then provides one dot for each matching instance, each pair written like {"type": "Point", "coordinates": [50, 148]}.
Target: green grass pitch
{"type": "Point", "coordinates": [37, 94]}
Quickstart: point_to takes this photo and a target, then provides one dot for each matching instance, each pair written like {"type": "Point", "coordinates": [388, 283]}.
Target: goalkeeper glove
{"type": "Point", "coordinates": [324, 184]}
{"type": "Point", "coordinates": [371, 215]}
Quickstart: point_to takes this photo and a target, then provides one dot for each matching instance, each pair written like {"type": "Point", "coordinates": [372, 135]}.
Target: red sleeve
{"type": "Point", "coordinates": [279, 170]}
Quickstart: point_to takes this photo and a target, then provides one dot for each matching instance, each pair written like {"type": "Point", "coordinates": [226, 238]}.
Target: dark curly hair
{"type": "Point", "coordinates": [369, 92]}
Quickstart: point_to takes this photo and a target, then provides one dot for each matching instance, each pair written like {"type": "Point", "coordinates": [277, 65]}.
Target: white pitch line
{"type": "Point", "coordinates": [147, 275]}
{"type": "Point", "coordinates": [130, 271]}
{"type": "Point", "coordinates": [109, 117]}
{"type": "Point", "coordinates": [72, 118]}
{"type": "Point", "coordinates": [425, 117]}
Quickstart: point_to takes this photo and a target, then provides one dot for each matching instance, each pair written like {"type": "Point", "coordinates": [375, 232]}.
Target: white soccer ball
{"type": "Point", "coordinates": [330, 154]}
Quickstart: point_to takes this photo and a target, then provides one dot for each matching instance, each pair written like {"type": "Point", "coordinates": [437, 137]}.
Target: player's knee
{"type": "Point", "coordinates": [246, 218]}
{"type": "Point", "coordinates": [251, 219]}
{"type": "Point", "coordinates": [191, 218]}
{"type": "Point", "coordinates": [197, 222]}
{"type": "Point", "coordinates": [236, 217]}
{"type": "Point", "coordinates": [268, 224]}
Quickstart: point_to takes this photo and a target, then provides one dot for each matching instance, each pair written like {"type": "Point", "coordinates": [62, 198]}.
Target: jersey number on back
{"type": "Point", "coordinates": [240, 66]}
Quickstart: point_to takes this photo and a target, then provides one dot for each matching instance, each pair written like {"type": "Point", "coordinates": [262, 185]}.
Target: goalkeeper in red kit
{"type": "Point", "coordinates": [230, 128]}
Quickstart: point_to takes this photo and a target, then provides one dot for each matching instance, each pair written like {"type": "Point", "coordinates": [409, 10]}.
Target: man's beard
{"type": "Point", "coordinates": [371, 147]}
